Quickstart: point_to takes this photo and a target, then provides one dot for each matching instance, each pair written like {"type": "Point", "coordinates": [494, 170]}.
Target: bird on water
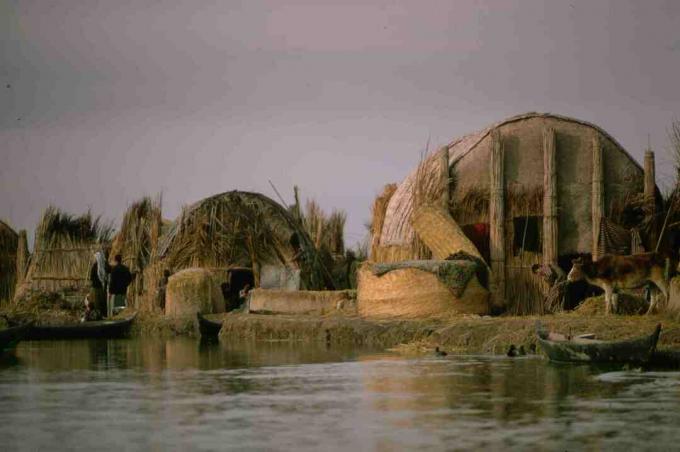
{"type": "Point", "coordinates": [439, 352]}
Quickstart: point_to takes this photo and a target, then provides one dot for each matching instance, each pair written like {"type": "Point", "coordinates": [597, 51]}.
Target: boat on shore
{"type": "Point", "coordinates": [10, 337]}
{"type": "Point", "coordinates": [106, 329]}
{"type": "Point", "coordinates": [587, 349]}
{"type": "Point", "coordinates": [208, 328]}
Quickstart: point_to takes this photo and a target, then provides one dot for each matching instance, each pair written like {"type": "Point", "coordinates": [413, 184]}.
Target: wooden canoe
{"type": "Point", "coordinates": [582, 349]}
{"type": "Point", "coordinates": [10, 337]}
{"type": "Point", "coordinates": [208, 328]}
{"type": "Point", "coordinates": [106, 329]}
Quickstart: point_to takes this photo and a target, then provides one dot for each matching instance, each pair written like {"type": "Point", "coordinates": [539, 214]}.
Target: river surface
{"type": "Point", "coordinates": [179, 394]}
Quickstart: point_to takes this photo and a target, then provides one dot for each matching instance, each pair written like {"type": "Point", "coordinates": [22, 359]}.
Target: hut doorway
{"type": "Point", "coordinates": [237, 279]}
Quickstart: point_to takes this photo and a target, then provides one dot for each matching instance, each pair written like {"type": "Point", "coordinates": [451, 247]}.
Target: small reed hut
{"type": "Point", "coordinates": [534, 188]}
{"type": "Point", "coordinates": [9, 241]}
{"type": "Point", "coordinates": [249, 233]}
{"type": "Point", "coordinates": [63, 253]}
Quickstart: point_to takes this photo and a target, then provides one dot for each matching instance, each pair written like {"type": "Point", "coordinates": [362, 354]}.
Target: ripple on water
{"type": "Point", "coordinates": [178, 394]}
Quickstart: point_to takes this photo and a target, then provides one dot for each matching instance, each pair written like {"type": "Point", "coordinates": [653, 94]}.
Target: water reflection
{"type": "Point", "coordinates": [181, 393]}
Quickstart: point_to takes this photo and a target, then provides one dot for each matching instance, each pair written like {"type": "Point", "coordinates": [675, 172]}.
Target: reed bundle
{"type": "Point", "coordinates": [326, 231]}
{"type": "Point", "coordinates": [8, 251]}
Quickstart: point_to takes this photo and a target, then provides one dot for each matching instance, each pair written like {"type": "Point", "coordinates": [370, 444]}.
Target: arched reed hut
{"type": "Point", "coordinates": [534, 188]}
{"type": "Point", "coordinates": [9, 241]}
{"type": "Point", "coordinates": [244, 230]}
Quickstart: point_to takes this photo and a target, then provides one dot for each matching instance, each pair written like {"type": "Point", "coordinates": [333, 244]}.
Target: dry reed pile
{"type": "Point", "coordinates": [378, 217]}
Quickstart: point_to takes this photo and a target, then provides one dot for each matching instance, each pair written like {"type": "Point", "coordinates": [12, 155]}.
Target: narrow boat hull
{"type": "Point", "coordinates": [208, 328]}
{"type": "Point", "coordinates": [591, 351]}
{"type": "Point", "coordinates": [10, 337]}
{"type": "Point", "coordinates": [107, 329]}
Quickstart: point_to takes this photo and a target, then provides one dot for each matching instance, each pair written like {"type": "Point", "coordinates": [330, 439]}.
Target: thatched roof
{"type": "Point", "coordinates": [397, 230]}
{"type": "Point", "coordinates": [239, 228]}
{"type": "Point", "coordinates": [63, 251]}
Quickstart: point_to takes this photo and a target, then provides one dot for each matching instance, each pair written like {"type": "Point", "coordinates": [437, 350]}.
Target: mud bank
{"type": "Point", "coordinates": [462, 335]}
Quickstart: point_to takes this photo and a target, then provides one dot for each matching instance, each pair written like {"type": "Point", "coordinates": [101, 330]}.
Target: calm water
{"type": "Point", "coordinates": [178, 394]}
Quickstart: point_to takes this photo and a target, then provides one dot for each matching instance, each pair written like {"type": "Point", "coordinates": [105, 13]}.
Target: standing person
{"type": "Point", "coordinates": [99, 280]}
{"type": "Point", "coordinates": [162, 289]}
{"type": "Point", "coordinates": [120, 280]}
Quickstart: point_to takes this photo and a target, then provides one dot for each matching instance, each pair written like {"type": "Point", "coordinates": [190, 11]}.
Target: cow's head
{"type": "Point", "coordinates": [576, 272]}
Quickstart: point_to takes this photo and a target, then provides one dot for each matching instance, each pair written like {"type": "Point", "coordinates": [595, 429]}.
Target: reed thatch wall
{"type": "Point", "coordinates": [9, 241]}
{"type": "Point", "coordinates": [242, 229]}
{"type": "Point", "coordinates": [64, 252]}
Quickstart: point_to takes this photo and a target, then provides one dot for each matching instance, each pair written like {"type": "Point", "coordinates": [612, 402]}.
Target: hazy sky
{"type": "Point", "coordinates": [111, 100]}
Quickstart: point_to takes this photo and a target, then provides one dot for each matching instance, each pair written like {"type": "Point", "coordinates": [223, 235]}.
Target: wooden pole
{"type": "Point", "coordinates": [650, 196]}
{"type": "Point", "coordinates": [597, 195]}
{"type": "Point", "coordinates": [22, 258]}
{"type": "Point", "coordinates": [445, 176]}
{"type": "Point", "coordinates": [497, 221]}
{"type": "Point", "coordinates": [550, 223]}
{"type": "Point", "coordinates": [650, 176]}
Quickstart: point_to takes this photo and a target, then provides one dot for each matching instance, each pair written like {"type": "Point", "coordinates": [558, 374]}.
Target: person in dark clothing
{"type": "Point", "coordinates": [120, 279]}
{"type": "Point", "coordinates": [162, 289]}
{"type": "Point", "coordinates": [99, 279]}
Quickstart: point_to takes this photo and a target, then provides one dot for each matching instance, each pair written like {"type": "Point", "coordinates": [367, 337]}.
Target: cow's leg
{"type": "Point", "coordinates": [615, 302]}
{"type": "Point", "coordinates": [608, 293]}
{"type": "Point", "coordinates": [661, 286]}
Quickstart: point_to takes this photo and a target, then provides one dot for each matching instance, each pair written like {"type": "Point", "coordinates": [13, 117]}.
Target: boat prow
{"type": "Point", "coordinates": [10, 337]}
{"type": "Point", "coordinates": [208, 328]}
{"type": "Point", "coordinates": [584, 349]}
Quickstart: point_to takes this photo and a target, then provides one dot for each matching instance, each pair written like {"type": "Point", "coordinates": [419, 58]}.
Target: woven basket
{"type": "Point", "coordinates": [412, 293]}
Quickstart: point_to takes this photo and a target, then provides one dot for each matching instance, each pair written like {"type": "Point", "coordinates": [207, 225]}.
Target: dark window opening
{"type": "Point", "coordinates": [528, 234]}
{"type": "Point", "coordinates": [479, 236]}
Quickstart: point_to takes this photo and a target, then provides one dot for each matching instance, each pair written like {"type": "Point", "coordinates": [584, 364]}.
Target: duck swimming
{"type": "Point", "coordinates": [512, 351]}
{"type": "Point", "coordinates": [439, 352]}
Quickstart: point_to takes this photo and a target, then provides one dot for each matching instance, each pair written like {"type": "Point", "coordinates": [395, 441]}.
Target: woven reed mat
{"type": "Point", "coordinates": [440, 233]}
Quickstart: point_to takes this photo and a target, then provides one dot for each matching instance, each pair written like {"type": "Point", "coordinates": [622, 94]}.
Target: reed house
{"type": "Point", "coordinates": [534, 188]}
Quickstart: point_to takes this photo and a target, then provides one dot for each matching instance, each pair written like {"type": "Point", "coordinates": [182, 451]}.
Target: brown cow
{"type": "Point", "coordinates": [612, 272]}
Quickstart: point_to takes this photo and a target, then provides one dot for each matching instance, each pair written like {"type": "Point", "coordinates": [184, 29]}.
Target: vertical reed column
{"type": "Point", "coordinates": [22, 258]}
{"type": "Point", "coordinates": [650, 194]}
{"type": "Point", "coordinates": [597, 195]}
{"type": "Point", "coordinates": [550, 224]}
{"type": "Point", "coordinates": [497, 220]}
{"type": "Point", "coordinates": [445, 176]}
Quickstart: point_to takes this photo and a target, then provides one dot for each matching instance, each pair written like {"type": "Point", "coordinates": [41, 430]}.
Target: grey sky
{"type": "Point", "coordinates": [117, 99]}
